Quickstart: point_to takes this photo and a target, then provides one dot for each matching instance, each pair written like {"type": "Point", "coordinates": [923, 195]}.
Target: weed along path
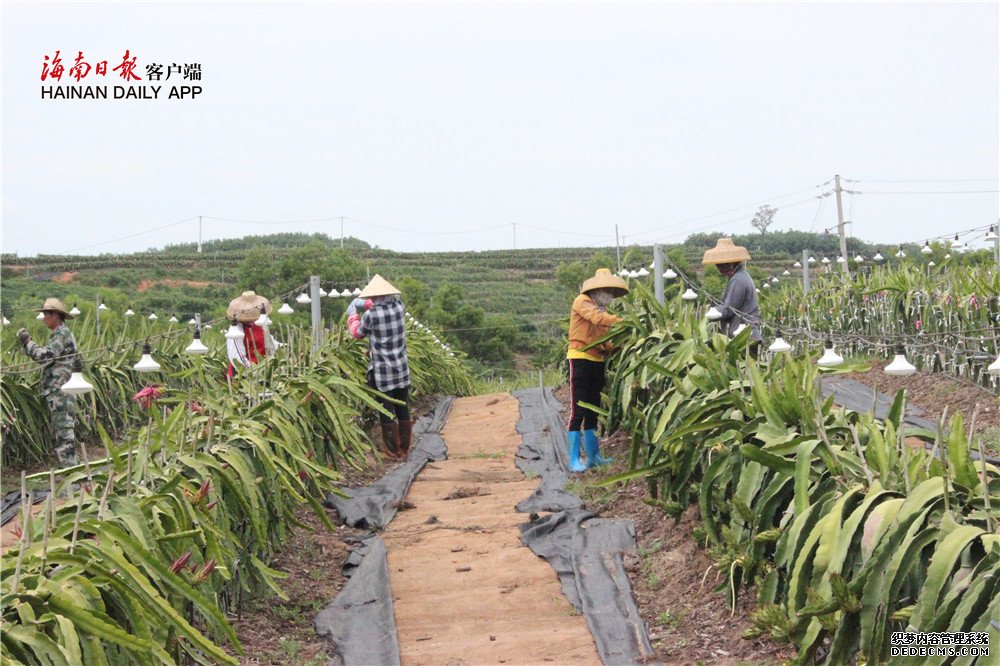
{"type": "Point", "coordinates": [465, 590]}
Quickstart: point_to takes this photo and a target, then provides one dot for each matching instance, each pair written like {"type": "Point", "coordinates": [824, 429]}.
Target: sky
{"type": "Point", "coordinates": [482, 126]}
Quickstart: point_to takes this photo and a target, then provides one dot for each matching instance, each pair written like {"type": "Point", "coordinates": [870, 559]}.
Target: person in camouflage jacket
{"type": "Point", "coordinates": [57, 360]}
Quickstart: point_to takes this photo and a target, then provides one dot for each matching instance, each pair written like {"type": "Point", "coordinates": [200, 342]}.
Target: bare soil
{"type": "Point", "coordinates": [673, 579]}
{"type": "Point", "coordinates": [65, 278]}
{"type": "Point", "coordinates": [146, 285]}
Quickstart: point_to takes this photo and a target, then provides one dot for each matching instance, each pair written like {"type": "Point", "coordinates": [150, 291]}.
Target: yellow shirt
{"type": "Point", "coordinates": [588, 323]}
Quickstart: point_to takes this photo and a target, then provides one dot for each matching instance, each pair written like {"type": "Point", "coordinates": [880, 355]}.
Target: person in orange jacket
{"type": "Point", "coordinates": [588, 322]}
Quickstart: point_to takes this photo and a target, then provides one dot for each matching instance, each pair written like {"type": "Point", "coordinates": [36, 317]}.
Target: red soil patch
{"type": "Point", "coordinates": [64, 278]}
{"type": "Point", "coordinates": [146, 285]}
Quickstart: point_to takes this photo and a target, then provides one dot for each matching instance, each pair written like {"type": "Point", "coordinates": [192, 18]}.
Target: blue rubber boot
{"type": "Point", "coordinates": [593, 449]}
{"type": "Point", "coordinates": [574, 452]}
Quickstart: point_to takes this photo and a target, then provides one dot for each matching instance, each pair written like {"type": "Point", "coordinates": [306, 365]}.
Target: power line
{"type": "Point", "coordinates": [139, 233]}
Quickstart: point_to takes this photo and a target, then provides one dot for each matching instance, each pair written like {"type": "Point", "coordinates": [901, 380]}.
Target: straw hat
{"type": "Point", "coordinates": [55, 305]}
{"type": "Point", "coordinates": [725, 252]}
{"type": "Point", "coordinates": [379, 286]}
{"type": "Point", "coordinates": [247, 307]}
{"type": "Point", "coordinates": [605, 279]}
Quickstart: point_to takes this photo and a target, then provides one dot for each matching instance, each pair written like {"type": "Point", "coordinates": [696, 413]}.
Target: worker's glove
{"type": "Point", "coordinates": [355, 304]}
{"type": "Point", "coordinates": [23, 337]}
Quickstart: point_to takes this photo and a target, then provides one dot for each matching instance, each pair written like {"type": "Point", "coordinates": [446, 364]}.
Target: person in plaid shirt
{"type": "Point", "coordinates": [383, 322]}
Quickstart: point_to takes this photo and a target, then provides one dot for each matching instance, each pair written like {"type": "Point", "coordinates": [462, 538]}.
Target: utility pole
{"type": "Point", "coordinates": [840, 227]}
{"type": "Point", "coordinates": [805, 272]}
{"type": "Point", "coordinates": [315, 312]}
{"type": "Point", "coordinates": [199, 234]}
{"type": "Point", "coordinates": [341, 232]}
{"type": "Point", "coordinates": [618, 249]}
{"type": "Point", "coordinates": [658, 273]}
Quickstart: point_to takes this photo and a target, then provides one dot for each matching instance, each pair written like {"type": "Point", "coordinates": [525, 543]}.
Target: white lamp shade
{"type": "Point", "coordinates": [152, 316]}
{"type": "Point", "coordinates": [642, 273]}
{"type": "Point", "coordinates": [623, 272]}
{"type": "Point", "coordinates": [146, 363]}
{"type": "Point", "coordinates": [878, 257]}
{"type": "Point", "coordinates": [713, 314]}
{"type": "Point", "coordinates": [633, 274]}
{"type": "Point", "coordinates": [689, 295]}
{"type": "Point", "coordinates": [303, 298]}
{"type": "Point", "coordinates": [797, 264]}
{"type": "Point", "coordinates": [775, 280]}
{"type": "Point", "coordinates": [76, 385]}
{"type": "Point", "coordinates": [858, 259]}
{"type": "Point", "coordinates": [197, 347]}
{"type": "Point", "coordinates": [931, 263]}
{"type": "Point", "coordinates": [767, 285]}
{"type": "Point", "coordinates": [994, 367]}
{"type": "Point", "coordinates": [129, 313]}
{"type": "Point", "coordinates": [652, 266]}
{"type": "Point", "coordinates": [900, 367]}
{"type": "Point", "coordinates": [739, 329]}
{"type": "Point", "coordinates": [955, 244]}
{"type": "Point", "coordinates": [812, 260]}
{"type": "Point", "coordinates": [779, 345]}
{"type": "Point", "coordinates": [829, 358]}
{"type": "Point", "coordinates": [333, 294]}
{"type": "Point", "coordinates": [346, 293]}
{"type": "Point", "coordinates": [825, 260]}
{"type": "Point", "coordinates": [670, 274]}
{"type": "Point", "coordinates": [900, 254]}
{"type": "Point", "coordinates": [6, 321]}
{"type": "Point", "coordinates": [991, 235]}
{"type": "Point", "coordinates": [235, 332]}
{"type": "Point", "coordinates": [208, 326]}
{"type": "Point", "coordinates": [285, 309]}
{"type": "Point", "coordinates": [926, 249]}
{"type": "Point", "coordinates": [840, 259]}
{"type": "Point", "coordinates": [75, 311]}
{"type": "Point", "coordinates": [322, 292]}
{"type": "Point", "coordinates": [41, 315]}
{"type": "Point", "coordinates": [786, 272]}
{"type": "Point", "coordinates": [173, 320]}
{"type": "Point", "coordinates": [948, 256]}
{"type": "Point", "coordinates": [102, 307]}
{"type": "Point", "coordinates": [263, 320]}
{"type": "Point", "coordinates": [356, 292]}
{"type": "Point", "coordinates": [192, 321]}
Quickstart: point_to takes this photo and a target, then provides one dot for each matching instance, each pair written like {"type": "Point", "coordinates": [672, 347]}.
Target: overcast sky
{"type": "Point", "coordinates": [442, 126]}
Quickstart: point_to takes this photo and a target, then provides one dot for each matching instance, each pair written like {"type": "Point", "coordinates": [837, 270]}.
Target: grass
{"type": "Point", "coordinates": [670, 619]}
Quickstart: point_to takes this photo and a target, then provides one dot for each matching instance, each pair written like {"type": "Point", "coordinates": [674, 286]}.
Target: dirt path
{"type": "Point", "coordinates": [465, 590]}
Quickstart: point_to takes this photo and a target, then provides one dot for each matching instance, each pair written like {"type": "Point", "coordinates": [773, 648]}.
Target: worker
{"type": "Point", "coordinates": [382, 319]}
{"type": "Point", "coordinates": [57, 358]}
{"type": "Point", "coordinates": [739, 300]}
{"type": "Point", "coordinates": [247, 309]}
{"type": "Point", "coordinates": [588, 322]}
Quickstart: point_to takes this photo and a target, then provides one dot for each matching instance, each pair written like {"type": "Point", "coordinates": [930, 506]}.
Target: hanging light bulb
{"type": "Point", "coordinates": [948, 256]}
{"type": "Point", "coordinates": [102, 307]}
{"type": "Point", "coordinates": [931, 263]}
{"type": "Point", "coordinates": [192, 321]}
{"type": "Point", "coordinates": [739, 329]}
{"type": "Point", "coordinates": [75, 311]}
{"type": "Point", "coordinates": [840, 259]}
{"type": "Point", "coordinates": [322, 292]}
{"type": "Point", "coordinates": [207, 326]}
{"type": "Point", "coordinates": [40, 315]}
{"type": "Point", "coordinates": [356, 292]}
{"type": "Point", "coordinates": [670, 274]}
{"type": "Point", "coordinates": [900, 367]}
{"type": "Point", "coordinates": [235, 331]}
{"type": "Point", "coordinates": [6, 322]}
{"type": "Point", "coordinates": [334, 294]}
{"type": "Point", "coordinates": [197, 347]}
{"type": "Point", "coordinates": [623, 272]}
{"type": "Point", "coordinates": [991, 235]}
{"type": "Point", "coordinates": [633, 274]}
{"type": "Point", "coordinates": [786, 273]}
{"type": "Point", "coordinates": [129, 312]}
{"type": "Point", "coordinates": [285, 309]}
{"type": "Point", "coordinates": [812, 260]}
{"type": "Point", "coordinates": [263, 319]}
{"type": "Point", "coordinates": [955, 244]}
{"type": "Point", "coordinates": [774, 280]}
{"type": "Point", "coordinates": [346, 293]}
{"type": "Point", "coordinates": [779, 344]}
{"type": "Point", "coordinates": [825, 261]}
{"type": "Point", "coordinates": [652, 266]}
{"type": "Point", "coordinates": [878, 257]}
{"type": "Point", "coordinates": [689, 295]}
{"type": "Point", "coordinates": [926, 249]}
{"type": "Point", "coordinates": [642, 273]}
{"type": "Point", "coordinates": [77, 385]}
{"type": "Point", "coordinates": [767, 285]}
{"type": "Point", "coordinates": [152, 316]}
{"type": "Point", "coordinates": [858, 259]}
{"type": "Point", "coordinates": [994, 367]}
{"type": "Point", "coordinates": [173, 320]}
{"type": "Point", "coordinates": [146, 363]}
{"type": "Point", "coordinates": [797, 264]}
{"type": "Point", "coordinates": [829, 358]}
{"type": "Point", "coordinates": [303, 298]}
{"type": "Point", "coordinates": [713, 314]}
{"type": "Point", "coordinates": [900, 254]}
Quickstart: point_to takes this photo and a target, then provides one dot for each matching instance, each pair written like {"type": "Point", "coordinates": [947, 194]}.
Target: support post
{"type": "Point", "coordinates": [805, 271]}
{"type": "Point", "coordinates": [658, 273]}
{"type": "Point", "coordinates": [840, 227]}
{"type": "Point", "coordinates": [316, 323]}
